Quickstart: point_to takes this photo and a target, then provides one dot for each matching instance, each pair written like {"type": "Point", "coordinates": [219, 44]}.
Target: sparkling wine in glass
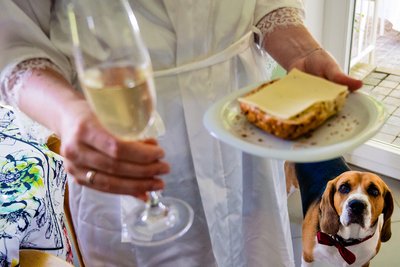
{"type": "Point", "coordinates": [115, 73]}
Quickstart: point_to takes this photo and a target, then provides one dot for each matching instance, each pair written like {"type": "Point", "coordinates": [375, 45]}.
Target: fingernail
{"type": "Point", "coordinates": [160, 154]}
{"type": "Point", "coordinates": [164, 168]}
{"type": "Point", "coordinates": [157, 185]}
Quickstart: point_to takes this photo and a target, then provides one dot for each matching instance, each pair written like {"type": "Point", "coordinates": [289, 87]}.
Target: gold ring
{"type": "Point", "coordinates": [90, 176]}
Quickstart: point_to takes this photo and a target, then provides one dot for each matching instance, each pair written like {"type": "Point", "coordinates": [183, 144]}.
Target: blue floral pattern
{"type": "Point", "coordinates": [32, 184]}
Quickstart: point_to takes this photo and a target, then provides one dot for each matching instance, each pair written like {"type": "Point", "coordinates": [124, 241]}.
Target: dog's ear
{"type": "Point", "coordinates": [386, 231]}
{"type": "Point", "coordinates": [329, 218]}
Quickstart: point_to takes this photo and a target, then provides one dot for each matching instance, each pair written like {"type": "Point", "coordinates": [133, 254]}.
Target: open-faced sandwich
{"type": "Point", "coordinates": [294, 105]}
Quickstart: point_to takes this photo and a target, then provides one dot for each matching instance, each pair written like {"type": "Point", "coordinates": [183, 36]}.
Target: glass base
{"type": "Point", "coordinates": [160, 224]}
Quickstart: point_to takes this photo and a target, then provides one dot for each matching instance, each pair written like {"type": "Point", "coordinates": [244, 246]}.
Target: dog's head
{"type": "Point", "coordinates": [356, 198]}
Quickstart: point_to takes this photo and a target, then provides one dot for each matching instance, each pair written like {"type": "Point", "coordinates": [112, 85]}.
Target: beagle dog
{"type": "Point", "coordinates": [347, 214]}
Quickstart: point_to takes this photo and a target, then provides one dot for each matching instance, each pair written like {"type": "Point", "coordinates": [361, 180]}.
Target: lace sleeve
{"type": "Point", "coordinates": [14, 78]}
{"type": "Point", "coordinates": [281, 17]}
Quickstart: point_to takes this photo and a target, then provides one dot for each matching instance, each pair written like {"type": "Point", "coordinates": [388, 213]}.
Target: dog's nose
{"type": "Point", "coordinates": [356, 206]}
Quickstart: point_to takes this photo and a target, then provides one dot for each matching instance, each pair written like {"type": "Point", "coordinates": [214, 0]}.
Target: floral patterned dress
{"type": "Point", "coordinates": [32, 184]}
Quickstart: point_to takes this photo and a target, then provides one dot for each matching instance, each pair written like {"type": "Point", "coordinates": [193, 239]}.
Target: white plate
{"type": "Point", "coordinates": [360, 119]}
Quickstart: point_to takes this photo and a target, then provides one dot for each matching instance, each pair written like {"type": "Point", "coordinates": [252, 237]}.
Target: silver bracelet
{"type": "Point", "coordinates": [312, 51]}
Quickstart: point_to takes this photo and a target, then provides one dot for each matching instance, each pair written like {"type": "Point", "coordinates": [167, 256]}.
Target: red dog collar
{"type": "Point", "coordinates": [341, 244]}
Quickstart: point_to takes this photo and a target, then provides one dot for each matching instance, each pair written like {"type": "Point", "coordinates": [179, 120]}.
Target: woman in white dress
{"type": "Point", "coordinates": [239, 200]}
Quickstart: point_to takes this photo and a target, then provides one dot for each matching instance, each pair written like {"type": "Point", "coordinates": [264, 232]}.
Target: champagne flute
{"type": "Point", "coordinates": [114, 70]}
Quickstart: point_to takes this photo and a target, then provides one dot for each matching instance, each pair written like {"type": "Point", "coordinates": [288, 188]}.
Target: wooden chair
{"type": "Point", "coordinates": [54, 145]}
{"type": "Point", "coordinates": [37, 258]}
{"type": "Point", "coordinates": [73, 236]}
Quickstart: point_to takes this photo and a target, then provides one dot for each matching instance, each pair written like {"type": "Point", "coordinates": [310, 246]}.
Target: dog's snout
{"type": "Point", "coordinates": [357, 206]}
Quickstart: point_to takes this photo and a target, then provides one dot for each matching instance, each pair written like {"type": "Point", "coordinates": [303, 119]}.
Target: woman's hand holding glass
{"type": "Point", "coordinates": [122, 166]}
{"type": "Point", "coordinates": [115, 74]}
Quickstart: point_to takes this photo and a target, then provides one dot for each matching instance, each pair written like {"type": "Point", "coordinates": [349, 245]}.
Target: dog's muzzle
{"type": "Point", "coordinates": [356, 211]}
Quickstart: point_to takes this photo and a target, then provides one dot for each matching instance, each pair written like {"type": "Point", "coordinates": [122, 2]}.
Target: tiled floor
{"type": "Point", "coordinates": [382, 80]}
{"type": "Point", "coordinates": [388, 255]}
{"type": "Point", "coordinates": [385, 86]}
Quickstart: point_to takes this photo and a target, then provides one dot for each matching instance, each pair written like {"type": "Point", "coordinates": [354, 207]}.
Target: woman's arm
{"type": "Point", "coordinates": [290, 43]}
{"type": "Point", "coordinates": [45, 94]}
{"type": "Point", "coordinates": [121, 167]}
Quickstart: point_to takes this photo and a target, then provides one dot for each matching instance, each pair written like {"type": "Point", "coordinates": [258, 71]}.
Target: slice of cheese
{"type": "Point", "coordinates": [293, 94]}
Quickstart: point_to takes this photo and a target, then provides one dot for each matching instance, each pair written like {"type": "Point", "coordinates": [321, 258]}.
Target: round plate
{"type": "Point", "coordinates": [359, 120]}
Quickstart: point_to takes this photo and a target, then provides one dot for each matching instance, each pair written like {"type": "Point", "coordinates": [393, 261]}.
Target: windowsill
{"type": "Point", "coordinates": [378, 157]}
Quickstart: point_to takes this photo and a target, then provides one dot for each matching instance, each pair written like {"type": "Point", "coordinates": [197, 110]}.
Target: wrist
{"type": "Point", "coordinates": [303, 57]}
{"type": "Point", "coordinates": [46, 96]}
{"type": "Point", "coordinates": [288, 45]}
{"type": "Point", "coordinates": [70, 113]}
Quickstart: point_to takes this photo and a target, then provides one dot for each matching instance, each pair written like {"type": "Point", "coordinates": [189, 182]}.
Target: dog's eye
{"type": "Point", "coordinates": [373, 191]}
{"type": "Point", "coordinates": [344, 188]}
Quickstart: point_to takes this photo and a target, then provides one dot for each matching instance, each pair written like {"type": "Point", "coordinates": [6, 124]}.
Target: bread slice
{"type": "Point", "coordinates": [294, 105]}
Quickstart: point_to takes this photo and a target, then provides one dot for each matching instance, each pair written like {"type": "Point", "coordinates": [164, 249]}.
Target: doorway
{"type": "Point", "coordinates": [368, 46]}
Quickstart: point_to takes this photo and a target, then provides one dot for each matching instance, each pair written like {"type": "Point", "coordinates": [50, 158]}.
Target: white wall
{"type": "Point", "coordinates": [337, 30]}
{"type": "Point", "coordinates": [330, 22]}
{"type": "Point", "coordinates": [314, 10]}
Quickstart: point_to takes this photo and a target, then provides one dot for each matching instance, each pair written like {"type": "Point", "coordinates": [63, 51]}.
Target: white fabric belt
{"type": "Point", "coordinates": [236, 48]}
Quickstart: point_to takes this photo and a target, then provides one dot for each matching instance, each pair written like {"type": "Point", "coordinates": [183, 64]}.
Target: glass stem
{"type": "Point", "coordinates": [155, 208]}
